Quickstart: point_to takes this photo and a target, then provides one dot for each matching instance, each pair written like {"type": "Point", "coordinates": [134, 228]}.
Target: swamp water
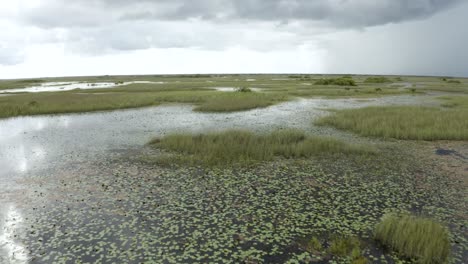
{"type": "Point", "coordinates": [71, 182]}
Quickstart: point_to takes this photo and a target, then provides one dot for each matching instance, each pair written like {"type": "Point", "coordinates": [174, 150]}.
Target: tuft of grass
{"type": "Point", "coordinates": [345, 246]}
{"type": "Point", "coordinates": [312, 245]}
{"type": "Point", "coordinates": [414, 237]}
{"type": "Point", "coordinates": [360, 260]}
{"type": "Point", "coordinates": [244, 90]}
{"type": "Point", "coordinates": [404, 122]}
{"type": "Point", "coordinates": [342, 81]}
{"type": "Point", "coordinates": [239, 146]}
{"type": "Point", "coordinates": [377, 79]}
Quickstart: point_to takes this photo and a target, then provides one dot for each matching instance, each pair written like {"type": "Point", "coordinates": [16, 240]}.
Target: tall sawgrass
{"type": "Point", "coordinates": [414, 237]}
{"type": "Point", "coordinates": [246, 147]}
{"type": "Point", "coordinates": [405, 122]}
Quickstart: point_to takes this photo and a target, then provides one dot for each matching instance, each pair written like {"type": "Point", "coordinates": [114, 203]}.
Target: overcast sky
{"type": "Point", "coordinates": [98, 37]}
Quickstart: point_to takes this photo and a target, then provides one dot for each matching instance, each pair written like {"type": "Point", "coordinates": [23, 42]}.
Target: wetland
{"type": "Point", "coordinates": [232, 169]}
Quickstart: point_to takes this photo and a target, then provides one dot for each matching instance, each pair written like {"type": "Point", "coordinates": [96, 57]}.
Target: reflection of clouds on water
{"type": "Point", "coordinates": [67, 86]}
{"type": "Point", "coordinates": [30, 143]}
{"type": "Point", "coordinates": [15, 253]}
{"type": "Point", "coordinates": [21, 158]}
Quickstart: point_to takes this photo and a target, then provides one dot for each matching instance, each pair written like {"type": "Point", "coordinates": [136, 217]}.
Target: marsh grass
{"type": "Point", "coordinates": [404, 122]}
{"type": "Point", "coordinates": [229, 102]}
{"type": "Point", "coordinates": [342, 81]}
{"type": "Point", "coordinates": [338, 91]}
{"type": "Point", "coordinates": [345, 246]}
{"type": "Point", "coordinates": [454, 101]}
{"type": "Point", "coordinates": [239, 146]}
{"type": "Point", "coordinates": [131, 97]}
{"type": "Point", "coordinates": [414, 237]}
{"type": "Point", "coordinates": [198, 90]}
{"type": "Point", "coordinates": [312, 245]}
{"type": "Point", "coordinates": [21, 83]}
{"type": "Point", "coordinates": [51, 103]}
{"type": "Point", "coordinates": [377, 79]}
{"type": "Point", "coordinates": [244, 89]}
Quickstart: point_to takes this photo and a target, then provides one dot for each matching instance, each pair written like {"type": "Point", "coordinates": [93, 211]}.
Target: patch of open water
{"type": "Point", "coordinates": [67, 86]}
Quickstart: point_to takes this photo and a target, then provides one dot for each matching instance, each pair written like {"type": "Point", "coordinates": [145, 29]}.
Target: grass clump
{"type": "Point", "coordinates": [244, 90]}
{"type": "Point", "coordinates": [414, 237]}
{"type": "Point", "coordinates": [377, 79]}
{"type": "Point", "coordinates": [404, 122]}
{"type": "Point", "coordinates": [312, 245]}
{"type": "Point", "coordinates": [238, 146]}
{"type": "Point", "coordinates": [343, 247]}
{"type": "Point", "coordinates": [454, 81]}
{"type": "Point", "coordinates": [342, 81]}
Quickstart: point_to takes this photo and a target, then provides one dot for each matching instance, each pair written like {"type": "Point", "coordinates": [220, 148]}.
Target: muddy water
{"type": "Point", "coordinates": [34, 145]}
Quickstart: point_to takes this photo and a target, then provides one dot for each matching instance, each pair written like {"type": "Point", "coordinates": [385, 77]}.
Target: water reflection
{"type": "Point", "coordinates": [31, 143]}
{"type": "Point", "coordinates": [67, 86]}
{"type": "Point", "coordinates": [12, 252]}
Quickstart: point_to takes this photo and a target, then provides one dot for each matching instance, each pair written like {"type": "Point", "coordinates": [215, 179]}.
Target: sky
{"type": "Point", "coordinates": [47, 38]}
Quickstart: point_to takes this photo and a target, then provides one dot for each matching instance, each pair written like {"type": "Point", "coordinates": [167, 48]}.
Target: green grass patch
{"type": "Point", "coordinates": [238, 146]}
{"type": "Point", "coordinates": [342, 247]}
{"type": "Point", "coordinates": [66, 102]}
{"type": "Point", "coordinates": [377, 79]}
{"type": "Point", "coordinates": [405, 122]}
{"type": "Point", "coordinates": [351, 92]}
{"type": "Point", "coordinates": [22, 83]}
{"type": "Point", "coordinates": [454, 101]}
{"type": "Point", "coordinates": [454, 81]}
{"type": "Point", "coordinates": [229, 102]}
{"type": "Point", "coordinates": [132, 96]}
{"type": "Point", "coordinates": [414, 237]}
{"type": "Point", "coordinates": [342, 81]}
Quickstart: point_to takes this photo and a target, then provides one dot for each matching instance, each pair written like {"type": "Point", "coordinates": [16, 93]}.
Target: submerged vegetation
{"type": "Point", "coordinates": [238, 146]}
{"type": "Point", "coordinates": [402, 122]}
{"type": "Point", "coordinates": [414, 237]}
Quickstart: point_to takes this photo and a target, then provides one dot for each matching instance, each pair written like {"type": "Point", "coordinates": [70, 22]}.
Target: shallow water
{"type": "Point", "coordinates": [31, 143]}
{"type": "Point", "coordinates": [401, 85]}
{"type": "Point", "coordinates": [67, 86]}
{"type": "Point", "coordinates": [34, 145]}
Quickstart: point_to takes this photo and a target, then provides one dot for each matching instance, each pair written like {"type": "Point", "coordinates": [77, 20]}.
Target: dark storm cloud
{"type": "Point", "coordinates": [366, 30]}
{"type": "Point", "coordinates": [96, 26]}
{"type": "Point", "coordinates": [342, 13]}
